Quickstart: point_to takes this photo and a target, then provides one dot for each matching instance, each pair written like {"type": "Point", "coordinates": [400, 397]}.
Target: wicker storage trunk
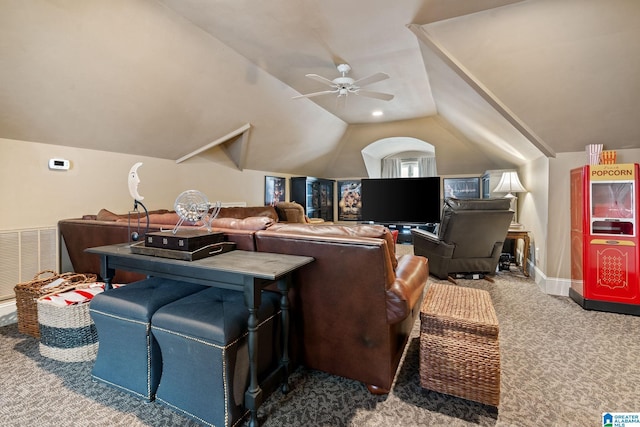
{"type": "Point", "coordinates": [43, 283]}
{"type": "Point", "coordinates": [459, 349]}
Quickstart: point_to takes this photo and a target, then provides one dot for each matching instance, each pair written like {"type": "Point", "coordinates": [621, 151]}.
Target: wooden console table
{"type": "Point", "coordinates": [244, 271]}
{"type": "Point", "coordinates": [524, 235]}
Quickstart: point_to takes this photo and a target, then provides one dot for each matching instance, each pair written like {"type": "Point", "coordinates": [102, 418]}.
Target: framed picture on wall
{"type": "Point", "coordinates": [461, 188]}
{"type": "Point", "coordinates": [350, 202]}
{"type": "Point", "coordinates": [275, 188]}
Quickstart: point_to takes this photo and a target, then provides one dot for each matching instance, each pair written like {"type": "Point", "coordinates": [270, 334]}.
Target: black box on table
{"type": "Point", "coordinates": [183, 240]}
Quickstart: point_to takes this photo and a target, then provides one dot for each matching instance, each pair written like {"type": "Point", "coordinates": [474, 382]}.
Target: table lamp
{"type": "Point", "coordinates": [510, 183]}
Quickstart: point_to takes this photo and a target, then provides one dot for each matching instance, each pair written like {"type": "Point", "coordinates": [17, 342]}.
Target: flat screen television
{"type": "Point", "coordinates": [401, 200]}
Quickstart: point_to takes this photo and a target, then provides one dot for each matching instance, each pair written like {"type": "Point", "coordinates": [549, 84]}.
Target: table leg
{"type": "Point", "coordinates": [283, 287]}
{"type": "Point", "coordinates": [106, 273]}
{"type": "Point", "coordinates": [253, 395]}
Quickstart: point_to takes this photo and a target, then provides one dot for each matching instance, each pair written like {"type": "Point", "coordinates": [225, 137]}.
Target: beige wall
{"type": "Point", "coordinates": [533, 208]}
{"type": "Point", "coordinates": [34, 196]}
{"type": "Point", "coordinates": [558, 258]}
{"type": "Point", "coordinates": [455, 155]}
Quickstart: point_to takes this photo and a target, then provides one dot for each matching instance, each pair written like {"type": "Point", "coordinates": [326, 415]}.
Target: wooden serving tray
{"type": "Point", "coordinates": [204, 252]}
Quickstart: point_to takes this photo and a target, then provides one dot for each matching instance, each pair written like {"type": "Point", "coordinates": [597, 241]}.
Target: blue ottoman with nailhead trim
{"type": "Point", "coordinates": [128, 355]}
{"type": "Point", "coordinates": [203, 340]}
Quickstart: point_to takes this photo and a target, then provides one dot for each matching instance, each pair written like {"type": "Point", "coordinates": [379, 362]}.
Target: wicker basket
{"type": "Point", "coordinates": [459, 348]}
{"type": "Point", "coordinates": [67, 333]}
{"type": "Point", "coordinates": [27, 295]}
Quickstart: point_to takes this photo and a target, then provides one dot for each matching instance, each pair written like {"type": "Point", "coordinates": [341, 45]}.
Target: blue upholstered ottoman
{"type": "Point", "coordinates": [128, 356]}
{"type": "Point", "coordinates": [203, 340]}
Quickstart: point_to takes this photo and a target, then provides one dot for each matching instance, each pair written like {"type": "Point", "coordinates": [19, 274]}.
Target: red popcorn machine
{"type": "Point", "coordinates": [604, 238]}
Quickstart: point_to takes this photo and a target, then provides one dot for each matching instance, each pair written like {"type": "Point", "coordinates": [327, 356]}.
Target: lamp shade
{"type": "Point", "coordinates": [509, 183]}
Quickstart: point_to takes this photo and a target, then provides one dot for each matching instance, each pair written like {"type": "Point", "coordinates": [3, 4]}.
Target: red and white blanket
{"type": "Point", "coordinates": [77, 296]}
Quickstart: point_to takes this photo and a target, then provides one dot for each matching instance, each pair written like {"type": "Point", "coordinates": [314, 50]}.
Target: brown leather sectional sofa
{"type": "Point", "coordinates": [353, 308]}
{"type": "Point", "coordinates": [107, 228]}
{"type": "Point", "coordinates": [356, 304]}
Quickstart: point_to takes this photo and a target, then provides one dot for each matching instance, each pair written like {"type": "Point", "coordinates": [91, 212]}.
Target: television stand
{"type": "Point", "coordinates": [404, 229]}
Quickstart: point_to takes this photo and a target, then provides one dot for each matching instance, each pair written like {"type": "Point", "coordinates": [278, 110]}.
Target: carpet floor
{"type": "Point", "coordinates": [560, 366]}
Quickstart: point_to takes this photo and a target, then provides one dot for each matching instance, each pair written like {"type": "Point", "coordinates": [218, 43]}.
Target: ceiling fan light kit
{"type": "Point", "coordinates": [344, 85]}
{"type": "Point", "coordinates": [344, 68]}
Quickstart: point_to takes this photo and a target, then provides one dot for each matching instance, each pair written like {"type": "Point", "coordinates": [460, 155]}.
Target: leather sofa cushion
{"type": "Point", "coordinates": [250, 223]}
{"type": "Point", "coordinates": [166, 217]}
{"type": "Point", "coordinates": [169, 218]}
{"type": "Point", "coordinates": [244, 212]}
{"type": "Point", "coordinates": [291, 212]}
{"type": "Point", "coordinates": [106, 215]}
{"type": "Point", "coordinates": [375, 231]}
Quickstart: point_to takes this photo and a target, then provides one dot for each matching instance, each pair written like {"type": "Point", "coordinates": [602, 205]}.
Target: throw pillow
{"type": "Point", "coordinates": [105, 215]}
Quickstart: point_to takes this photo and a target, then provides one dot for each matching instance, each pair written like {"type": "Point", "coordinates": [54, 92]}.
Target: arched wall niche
{"type": "Point", "coordinates": [403, 147]}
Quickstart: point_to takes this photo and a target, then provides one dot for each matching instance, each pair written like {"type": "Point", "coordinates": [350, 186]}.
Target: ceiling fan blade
{"type": "Point", "coordinates": [310, 95]}
{"type": "Point", "coordinates": [320, 79]}
{"type": "Point", "coordinates": [377, 95]}
{"type": "Point", "coordinates": [374, 78]}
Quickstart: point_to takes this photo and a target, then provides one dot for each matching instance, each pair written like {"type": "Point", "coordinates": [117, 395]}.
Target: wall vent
{"type": "Point", "coordinates": [23, 254]}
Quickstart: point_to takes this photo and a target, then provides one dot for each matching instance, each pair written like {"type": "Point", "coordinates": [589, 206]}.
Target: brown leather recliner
{"type": "Point", "coordinates": [470, 237]}
{"type": "Point", "coordinates": [354, 306]}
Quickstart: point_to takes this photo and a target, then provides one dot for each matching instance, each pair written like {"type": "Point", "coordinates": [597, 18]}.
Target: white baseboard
{"type": "Point", "coordinates": [558, 286]}
{"type": "Point", "coordinates": [550, 285]}
{"type": "Point", "coordinates": [8, 313]}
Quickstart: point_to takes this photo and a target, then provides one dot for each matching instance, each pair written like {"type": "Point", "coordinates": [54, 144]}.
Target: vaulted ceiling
{"type": "Point", "coordinates": [489, 83]}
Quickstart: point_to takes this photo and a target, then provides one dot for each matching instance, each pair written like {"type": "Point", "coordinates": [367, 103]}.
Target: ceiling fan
{"type": "Point", "coordinates": [344, 85]}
